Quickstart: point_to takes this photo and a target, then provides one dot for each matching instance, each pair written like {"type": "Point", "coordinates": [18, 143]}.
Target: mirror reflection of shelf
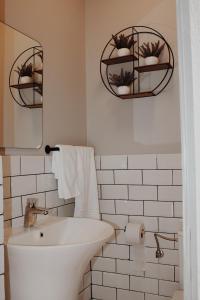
{"type": "Point", "coordinates": [31, 66]}
{"type": "Point", "coordinates": [22, 86]}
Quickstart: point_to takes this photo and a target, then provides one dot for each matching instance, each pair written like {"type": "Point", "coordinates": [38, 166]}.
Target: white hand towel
{"type": "Point", "coordinates": [86, 203]}
{"type": "Point", "coordinates": [74, 167]}
{"type": "Point", "coordinates": [64, 166]}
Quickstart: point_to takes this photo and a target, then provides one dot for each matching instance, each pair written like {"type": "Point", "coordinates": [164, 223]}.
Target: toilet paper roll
{"type": "Point", "coordinates": [134, 233]}
{"type": "Point", "coordinates": [135, 236]}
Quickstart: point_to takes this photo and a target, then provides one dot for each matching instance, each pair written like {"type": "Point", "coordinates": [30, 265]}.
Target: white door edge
{"type": "Point", "coordinates": [188, 23]}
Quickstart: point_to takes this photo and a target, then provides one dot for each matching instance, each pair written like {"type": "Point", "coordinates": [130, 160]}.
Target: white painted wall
{"type": "Point", "coordinates": [136, 126]}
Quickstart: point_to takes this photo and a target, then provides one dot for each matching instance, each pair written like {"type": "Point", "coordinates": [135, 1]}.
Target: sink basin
{"type": "Point", "coordinates": [49, 260]}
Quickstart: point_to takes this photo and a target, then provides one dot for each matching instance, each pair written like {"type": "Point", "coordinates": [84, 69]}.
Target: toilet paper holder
{"type": "Point", "coordinates": [159, 251]}
{"type": "Point", "coordinates": [142, 231]}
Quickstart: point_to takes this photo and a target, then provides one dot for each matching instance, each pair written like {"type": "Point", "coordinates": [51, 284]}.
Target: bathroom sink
{"type": "Point", "coordinates": [49, 260]}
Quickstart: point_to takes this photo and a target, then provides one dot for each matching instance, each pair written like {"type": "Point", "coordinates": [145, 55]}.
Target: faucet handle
{"type": "Point", "coordinates": [31, 202]}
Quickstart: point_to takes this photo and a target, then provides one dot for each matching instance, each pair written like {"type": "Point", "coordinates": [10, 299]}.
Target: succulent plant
{"type": "Point", "coordinates": [25, 70]}
{"type": "Point", "coordinates": [123, 41]}
{"type": "Point", "coordinates": [125, 78]}
{"type": "Point", "coordinates": [147, 50]}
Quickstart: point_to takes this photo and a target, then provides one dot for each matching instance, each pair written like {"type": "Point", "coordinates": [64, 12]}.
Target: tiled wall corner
{"type": "Point", "coordinates": [145, 189]}
{"type": "Point", "coordinates": [2, 294]}
{"type": "Point", "coordinates": [85, 288]}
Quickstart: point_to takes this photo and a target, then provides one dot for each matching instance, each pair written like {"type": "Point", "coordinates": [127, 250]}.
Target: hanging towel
{"type": "Point", "coordinates": [64, 166]}
{"type": "Point", "coordinates": [74, 167]}
{"type": "Point", "coordinates": [86, 203]}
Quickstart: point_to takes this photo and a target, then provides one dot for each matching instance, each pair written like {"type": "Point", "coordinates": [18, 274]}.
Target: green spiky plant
{"type": "Point", "coordinates": [153, 49]}
{"type": "Point", "coordinates": [122, 41]}
{"type": "Point", "coordinates": [123, 79]}
{"type": "Point", "coordinates": [25, 70]}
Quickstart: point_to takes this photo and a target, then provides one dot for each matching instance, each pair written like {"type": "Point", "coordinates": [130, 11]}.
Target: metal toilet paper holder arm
{"type": "Point", "coordinates": [159, 251]}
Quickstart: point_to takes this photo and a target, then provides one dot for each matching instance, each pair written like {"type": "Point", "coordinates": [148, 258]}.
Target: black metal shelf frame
{"type": "Point", "coordinates": [137, 32]}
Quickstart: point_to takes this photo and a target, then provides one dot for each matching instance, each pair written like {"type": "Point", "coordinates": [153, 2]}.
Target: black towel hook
{"type": "Point", "coordinates": [48, 149]}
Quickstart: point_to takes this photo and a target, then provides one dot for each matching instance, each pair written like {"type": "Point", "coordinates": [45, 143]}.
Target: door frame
{"type": "Point", "coordinates": [188, 29]}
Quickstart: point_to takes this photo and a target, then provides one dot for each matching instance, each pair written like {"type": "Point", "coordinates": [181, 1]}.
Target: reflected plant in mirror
{"type": "Point", "coordinates": [25, 73]}
{"type": "Point", "coordinates": [21, 90]}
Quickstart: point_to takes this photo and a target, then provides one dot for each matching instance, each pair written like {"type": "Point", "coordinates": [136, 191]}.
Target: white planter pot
{"type": "Point", "coordinates": [123, 52]}
{"type": "Point", "coordinates": [26, 79]}
{"type": "Point", "coordinates": [151, 60]}
{"type": "Point", "coordinates": [38, 66]}
{"type": "Point", "coordinates": [37, 78]}
{"type": "Point", "coordinates": [123, 90]}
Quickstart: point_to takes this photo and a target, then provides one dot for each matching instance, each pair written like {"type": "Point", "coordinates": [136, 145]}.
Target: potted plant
{"type": "Point", "coordinates": [25, 73]}
{"type": "Point", "coordinates": [123, 44]}
{"type": "Point", "coordinates": [151, 53]}
{"type": "Point", "coordinates": [122, 81]}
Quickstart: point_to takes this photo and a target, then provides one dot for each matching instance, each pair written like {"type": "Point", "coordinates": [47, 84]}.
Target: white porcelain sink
{"type": "Point", "coordinates": [47, 262]}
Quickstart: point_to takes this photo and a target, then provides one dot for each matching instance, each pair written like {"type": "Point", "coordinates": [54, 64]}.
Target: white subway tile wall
{"type": "Point", "coordinates": [31, 177]}
{"type": "Point", "coordinates": [2, 294]}
{"type": "Point", "coordinates": [135, 188]}
{"type": "Point", "coordinates": [145, 189]}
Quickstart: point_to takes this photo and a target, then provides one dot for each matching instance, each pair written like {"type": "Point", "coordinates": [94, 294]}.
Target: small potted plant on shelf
{"type": "Point", "coordinates": [151, 53]}
{"type": "Point", "coordinates": [122, 81]}
{"type": "Point", "coordinates": [123, 44]}
{"type": "Point", "coordinates": [25, 73]}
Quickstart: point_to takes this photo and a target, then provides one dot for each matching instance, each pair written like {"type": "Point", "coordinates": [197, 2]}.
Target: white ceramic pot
{"type": "Point", "coordinates": [26, 79]}
{"type": "Point", "coordinates": [151, 60]}
{"type": "Point", "coordinates": [123, 90]}
{"type": "Point", "coordinates": [37, 78]}
{"type": "Point", "coordinates": [38, 66]}
{"type": "Point", "coordinates": [123, 52]}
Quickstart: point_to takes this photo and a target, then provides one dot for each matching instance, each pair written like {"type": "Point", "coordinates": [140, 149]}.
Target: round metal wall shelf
{"type": "Point", "coordinates": [18, 89]}
{"type": "Point", "coordinates": [135, 63]}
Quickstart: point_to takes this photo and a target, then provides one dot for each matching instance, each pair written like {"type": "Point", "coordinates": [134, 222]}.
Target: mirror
{"type": "Point", "coordinates": [21, 88]}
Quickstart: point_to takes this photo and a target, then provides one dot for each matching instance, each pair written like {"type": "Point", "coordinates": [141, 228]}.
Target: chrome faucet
{"type": "Point", "coordinates": [31, 212]}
